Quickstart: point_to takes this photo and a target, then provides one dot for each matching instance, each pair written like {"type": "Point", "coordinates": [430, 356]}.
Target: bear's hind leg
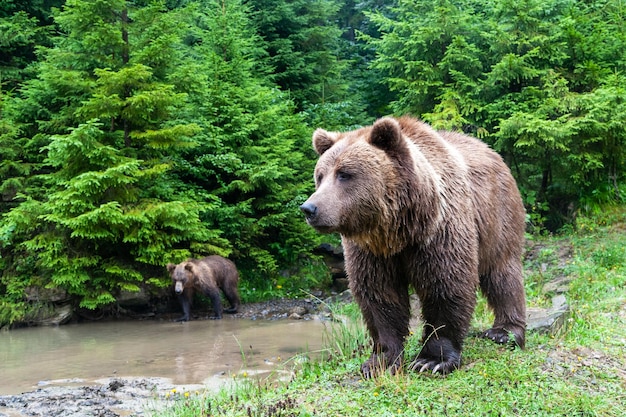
{"type": "Point", "coordinates": [233, 299]}
{"type": "Point", "coordinates": [505, 294]}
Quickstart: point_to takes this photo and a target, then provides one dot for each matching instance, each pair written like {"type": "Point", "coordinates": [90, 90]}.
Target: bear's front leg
{"type": "Point", "coordinates": [446, 321]}
{"type": "Point", "coordinates": [439, 355]}
{"type": "Point", "coordinates": [185, 301]}
{"type": "Point", "coordinates": [385, 356]}
{"type": "Point", "coordinates": [387, 320]}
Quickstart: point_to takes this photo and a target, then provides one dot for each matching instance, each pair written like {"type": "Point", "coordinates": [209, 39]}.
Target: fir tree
{"type": "Point", "coordinates": [522, 75]}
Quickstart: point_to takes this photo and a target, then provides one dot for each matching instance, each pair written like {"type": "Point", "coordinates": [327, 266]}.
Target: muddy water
{"type": "Point", "coordinates": [197, 352]}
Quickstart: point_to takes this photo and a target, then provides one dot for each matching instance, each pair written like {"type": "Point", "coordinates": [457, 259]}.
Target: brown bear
{"type": "Point", "coordinates": [208, 275]}
{"type": "Point", "coordinates": [436, 211]}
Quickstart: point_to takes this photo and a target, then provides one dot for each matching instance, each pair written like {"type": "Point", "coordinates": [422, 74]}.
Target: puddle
{"type": "Point", "coordinates": [196, 352]}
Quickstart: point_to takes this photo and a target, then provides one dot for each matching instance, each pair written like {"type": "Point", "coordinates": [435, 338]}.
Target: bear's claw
{"type": "Point", "coordinates": [503, 337]}
{"type": "Point", "coordinates": [422, 365]}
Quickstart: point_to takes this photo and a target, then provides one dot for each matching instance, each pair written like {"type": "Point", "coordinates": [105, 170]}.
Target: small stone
{"type": "Point", "coordinates": [559, 285]}
{"type": "Point", "coordinates": [298, 310]}
{"type": "Point", "coordinates": [548, 320]}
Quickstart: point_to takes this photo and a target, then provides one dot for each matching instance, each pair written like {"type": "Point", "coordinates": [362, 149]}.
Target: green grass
{"type": "Point", "coordinates": [581, 371]}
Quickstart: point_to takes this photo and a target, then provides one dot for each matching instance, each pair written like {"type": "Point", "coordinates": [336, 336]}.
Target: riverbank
{"type": "Point", "coordinates": [572, 366]}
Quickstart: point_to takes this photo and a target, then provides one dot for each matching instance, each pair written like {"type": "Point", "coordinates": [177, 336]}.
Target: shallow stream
{"type": "Point", "coordinates": [196, 352]}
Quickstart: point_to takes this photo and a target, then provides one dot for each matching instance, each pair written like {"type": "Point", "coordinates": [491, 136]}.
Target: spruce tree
{"type": "Point", "coordinates": [154, 137]}
{"type": "Point", "coordinates": [301, 38]}
{"type": "Point", "coordinates": [525, 76]}
{"type": "Point", "coordinates": [23, 27]}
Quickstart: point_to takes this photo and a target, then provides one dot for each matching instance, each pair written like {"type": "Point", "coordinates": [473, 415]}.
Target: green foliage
{"type": "Point", "coordinates": [535, 79]}
{"type": "Point", "coordinates": [158, 141]}
{"type": "Point", "coordinates": [302, 47]}
{"type": "Point", "coordinates": [12, 171]}
{"type": "Point", "coordinates": [250, 156]}
{"type": "Point", "coordinates": [23, 27]}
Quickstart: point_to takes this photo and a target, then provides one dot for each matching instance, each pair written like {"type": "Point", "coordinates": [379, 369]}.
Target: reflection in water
{"type": "Point", "coordinates": [188, 353]}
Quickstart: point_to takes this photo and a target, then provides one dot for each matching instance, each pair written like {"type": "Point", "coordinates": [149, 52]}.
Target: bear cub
{"type": "Point", "coordinates": [208, 275]}
{"type": "Point", "coordinates": [438, 212]}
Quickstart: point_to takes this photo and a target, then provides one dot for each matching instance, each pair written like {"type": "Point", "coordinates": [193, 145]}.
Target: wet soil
{"type": "Point", "coordinates": [111, 398]}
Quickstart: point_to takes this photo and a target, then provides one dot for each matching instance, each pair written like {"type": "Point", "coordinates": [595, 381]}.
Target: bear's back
{"type": "Point", "coordinates": [498, 208]}
{"type": "Point", "coordinates": [221, 268]}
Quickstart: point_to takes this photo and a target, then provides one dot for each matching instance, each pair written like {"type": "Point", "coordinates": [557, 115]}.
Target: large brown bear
{"type": "Point", "coordinates": [437, 211]}
{"type": "Point", "coordinates": [208, 275]}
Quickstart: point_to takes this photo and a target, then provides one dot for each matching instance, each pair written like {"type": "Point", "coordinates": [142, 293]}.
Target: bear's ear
{"type": "Point", "coordinates": [171, 268]}
{"type": "Point", "coordinates": [386, 134]}
{"type": "Point", "coordinates": [189, 266]}
{"type": "Point", "coordinates": [323, 140]}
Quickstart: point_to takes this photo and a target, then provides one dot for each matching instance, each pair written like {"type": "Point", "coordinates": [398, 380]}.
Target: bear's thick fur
{"type": "Point", "coordinates": [437, 211]}
{"type": "Point", "coordinates": [208, 275]}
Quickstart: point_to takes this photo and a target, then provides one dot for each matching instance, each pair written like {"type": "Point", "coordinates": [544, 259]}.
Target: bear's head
{"type": "Point", "coordinates": [365, 184]}
{"type": "Point", "coordinates": [182, 275]}
{"type": "Point", "coordinates": [357, 178]}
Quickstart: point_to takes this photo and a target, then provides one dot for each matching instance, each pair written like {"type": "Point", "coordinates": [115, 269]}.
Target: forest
{"type": "Point", "coordinates": [137, 133]}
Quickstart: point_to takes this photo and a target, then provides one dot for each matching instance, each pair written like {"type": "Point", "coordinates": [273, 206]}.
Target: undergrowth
{"type": "Point", "coordinates": [577, 371]}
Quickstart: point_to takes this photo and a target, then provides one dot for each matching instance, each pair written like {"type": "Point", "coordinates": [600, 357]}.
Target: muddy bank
{"type": "Point", "coordinates": [111, 398]}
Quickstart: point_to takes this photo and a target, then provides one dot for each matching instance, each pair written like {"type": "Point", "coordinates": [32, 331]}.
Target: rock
{"type": "Point", "coordinates": [340, 283]}
{"type": "Point", "coordinates": [115, 384]}
{"type": "Point", "coordinates": [45, 295]}
{"type": "Point", "coordinates": [334, 260]}
{"type": "Point", "coordinates": [548, 320]}
{"type": "Point", "coordinates": [134, 300]}
{"type": "Point", "coordinates": [559, 285]}
{"type": "Point", "coordinates": [298, 310]}
{"type": "Point", "coordinates": [343, 298]}
{"type": "Point", "coordinates": [55, 316]}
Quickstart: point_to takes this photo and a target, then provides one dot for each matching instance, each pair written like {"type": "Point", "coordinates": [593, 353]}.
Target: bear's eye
{"type": "Point", "coordinates": [319, 178]}
{"type": "Point", "coordinates": [344, 176]}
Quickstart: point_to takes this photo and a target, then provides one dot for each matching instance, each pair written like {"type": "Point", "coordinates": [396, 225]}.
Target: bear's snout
{"type": "Point", "coordinates": [178, 287]}
{"type": "Point", "coordinates": [309, 210]}
{"type": "Point", "coordinates": [317, 218]}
